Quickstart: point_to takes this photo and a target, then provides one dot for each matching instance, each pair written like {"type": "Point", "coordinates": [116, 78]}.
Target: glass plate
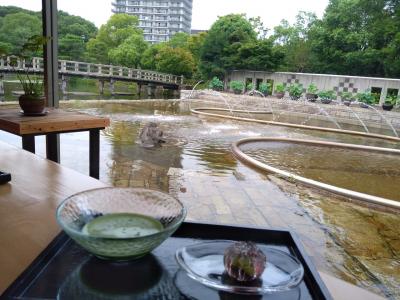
{"type": "Point", "coordinates": [203, 262]}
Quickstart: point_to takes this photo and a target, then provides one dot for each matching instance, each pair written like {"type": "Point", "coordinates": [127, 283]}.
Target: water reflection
{"type": "Point", "coordinates": [143, 279]}
{"type": "Point", "coordinates": [194, 290]}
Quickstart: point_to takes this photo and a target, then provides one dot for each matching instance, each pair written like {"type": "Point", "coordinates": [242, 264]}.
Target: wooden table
{"type": "Point", "coordinates": [55, 122]}
{"type": "Point", "coordinates": [27, 215]}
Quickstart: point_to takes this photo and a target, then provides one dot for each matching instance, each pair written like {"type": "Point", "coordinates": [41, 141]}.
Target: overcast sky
{"type": "Point", "coordinates": [205, 12]}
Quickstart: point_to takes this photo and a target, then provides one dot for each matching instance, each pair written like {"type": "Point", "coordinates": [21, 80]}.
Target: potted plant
{"type": "Point", "coordinates": [237, 86]}
{"type": "Point", "coordinates": [295, 91]}
{"type": "Point", "coordinates": [32, 102]}
{"type": "Point", "coordinates": [250, 87]}
{"type": "Point", "coordinates": [365, 99]}
{"type": "Point", "coordinates": [312, 93]}
{"type": "Point", "coordinates": [280, 90]}
{"type": "Point", "coordinates": [216, 84]}
{"type": "Point", "coordinates": [265, 88]}
{"type": "Point", "coordinates": [347, 98]}
{"type": "Point", "coordinates": [326, 96]}
{"type": "Point", "coordinates": [389, 103]}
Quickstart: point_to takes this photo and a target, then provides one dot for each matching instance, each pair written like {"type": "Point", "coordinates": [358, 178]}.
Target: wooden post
{"type": "Point", "coordinates": [63, 66]}
{"type": "Point", "coordinates": [53, 147]}
{"type": "Point", "coordinates": [64, 84]}
{"type": "Point", "coordinates": [28, 143]}
{"type": "Point", "coordinates": [101, 86]}
{"type": "Point", "coordinates": [151, 90]}
{"type": "Point", "coordinates": [94, 153]}
{"type": "Point", "coordinates": [112, 86]}
{"type": "Point", "coordinates": [1, 84]}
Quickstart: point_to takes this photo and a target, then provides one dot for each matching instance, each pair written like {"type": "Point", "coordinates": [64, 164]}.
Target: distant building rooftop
{"type": "Point", "coordinates": [197, 31]}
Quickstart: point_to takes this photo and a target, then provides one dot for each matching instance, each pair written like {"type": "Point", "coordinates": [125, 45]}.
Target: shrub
{"type": "Point", "coordinates": [327, 95]}
{"type": "Point", "coordinates": [237, 86]}
{"type": "Point", "coordinates": [280, 88]}
{"type": "Point", "coordinates": [347, 96]}
{"type": "Point", "coordinates": [295, 90]}
{"type": "Point", "coordinates": [216, 84]}
{"type": "Point", "coordinates": [392, 99]}
{"type": "Point", "coordinates": [250, 87]}
{"type": "Point", "coordinates": [265, 88]}
{"type": "Point", "coordinates": [312, 89]}
{"type": "Point", "coordinates": [366, 97]}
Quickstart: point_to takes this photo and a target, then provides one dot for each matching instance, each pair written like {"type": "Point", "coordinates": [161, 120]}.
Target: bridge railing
{"type": "Point", "coordinates": [88, 69]}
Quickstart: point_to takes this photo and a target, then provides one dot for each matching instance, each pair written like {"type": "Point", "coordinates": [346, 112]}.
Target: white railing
{"type": "Point", "coordinates": [66, 67]}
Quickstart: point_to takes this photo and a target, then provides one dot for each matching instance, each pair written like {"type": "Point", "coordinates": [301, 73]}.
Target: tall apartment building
{"type": "Point", "coordinates": [159, 19]}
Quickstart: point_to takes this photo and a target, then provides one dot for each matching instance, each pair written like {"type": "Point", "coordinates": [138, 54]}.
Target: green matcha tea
{"type": "Point", "coordinates": [122, 225]}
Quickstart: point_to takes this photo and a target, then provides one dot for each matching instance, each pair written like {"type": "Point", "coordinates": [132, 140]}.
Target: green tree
{"type": "Point", "coordinates": [148, 60]}
{"type": "Point", "coordinates": [260, 56]}
{"type": "Point", "coordinates": [176, 61]}
{"type": "Point", "coordinates": [17, 28]}
{"type": "Point", "coordinates": [5, 48]}
{"type": "Point", "coordinates": [358, 37]}
{"type": "Point", "coordinates": [293, 42]}
{"type": "Point", "coordinates": [220, 48]}
{"type": "Point", "coordinates": [68, 24]}
{"type": "Point", "coordinates": [130, 52]}
{"type": "Point", "coordinates": [179, 40]}
{"type": "Point", "coordinates": [8, 10]}
{"type": "Point", "coordinates": [71, 47]}
{"type": "Point", "coordinates": [195, 43]}
{"type": "Point", "coordinates": [110, 36]}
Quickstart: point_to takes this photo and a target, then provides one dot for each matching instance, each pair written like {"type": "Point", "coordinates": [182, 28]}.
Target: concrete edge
{"type": "Point", "coordinates": [310, 182]}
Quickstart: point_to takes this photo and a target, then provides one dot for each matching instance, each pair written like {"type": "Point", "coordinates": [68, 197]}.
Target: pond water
{"type": "Point", "coordinates": [362, 171]}
{"type": "Point", "coordinates": [357, 244]}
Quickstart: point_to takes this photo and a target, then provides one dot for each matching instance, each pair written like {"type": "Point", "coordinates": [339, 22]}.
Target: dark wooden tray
{"type": "Point", "coordinates": [64, 270]}
{"type": "Point", "coordinates": [4, 177]}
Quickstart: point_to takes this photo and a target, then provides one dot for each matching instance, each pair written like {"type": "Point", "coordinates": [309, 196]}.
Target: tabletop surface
{"type": "Point", "coordinates": [27, 214]}
{"type": "Point", "coordinates": [27, 207]}
{"type": "Point", "coordinates": [57, 120]}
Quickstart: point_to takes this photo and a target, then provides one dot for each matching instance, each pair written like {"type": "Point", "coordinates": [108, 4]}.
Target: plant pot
{"type": "Point", "coordinates": [363, 105]}
{"type": "Point", "coordinates": [31, 105]}
{"type": "Point", "coordinates": [311, 97]}
{"type": "Point", "coordinates": [326, 101]}
{"type": "Point", "coordinates": [280, 95]}
{"type": "Point", "coordinates": [294, 98]}
{"type": "Point", "coordinates": [237, 92]}
{"type": "Point", "coordinates": [347, 102]}
{"type": "Point", "coordinates": [217, 89]}
{"type": "Point", "coordinates": [387, 107]}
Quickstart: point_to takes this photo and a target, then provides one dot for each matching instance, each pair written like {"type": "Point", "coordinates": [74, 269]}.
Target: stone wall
{"type": "Point", "coordinates": [338, 83]}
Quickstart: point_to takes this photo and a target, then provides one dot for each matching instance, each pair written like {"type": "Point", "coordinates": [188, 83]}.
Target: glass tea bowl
{"type": "Point", "coordinates": [99, 209]}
